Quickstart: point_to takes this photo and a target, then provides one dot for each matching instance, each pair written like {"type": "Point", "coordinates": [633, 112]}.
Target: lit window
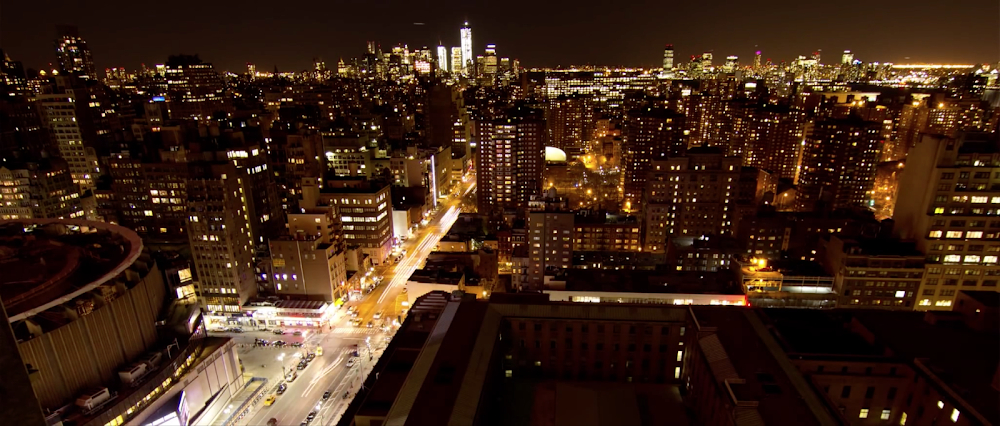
{"type": "Point", "coordinates": [925, 302]}
{"type": "Point", "coordinates": [863, 414]}
{"type": "Point", "coordinates": [148, 212]}
{"type": "Point", "coordinates": [995, 200]}
{"type": "Point", "coordinates": [902, 419]}
{"type": "Point", "coordinates": [974, 234]}
{"type": "Point", "coordinates": [900, 293]}
{"type": "Point", "coordinates": [954, 415]}
{"type": "Point", "coordinates": [980, 200]}
{"type": "Point", "coordinates": [944, 303]}
{"type": "Point", "coordinates": [680, 356]}
{"type": "Point", "coordinates": [954, 234]}
{"type": "Point", "coordinates": [677, 374]}
{"type": "Point", "coordinates": [989, 259]}
{"type": "Point", "coordinates": [940, 404]}
{"type": "Point", "coordinates": [934, 234]}
{"type": "Point", "coordinates": [885, 414]}
{"type": "Point", "coordinates": [953, 258]}
{"type": "Point", "coordinates": [939, 210]}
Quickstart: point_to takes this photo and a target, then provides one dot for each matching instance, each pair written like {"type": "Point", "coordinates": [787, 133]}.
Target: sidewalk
{"type": "Point", "coordinates": [242, 403]}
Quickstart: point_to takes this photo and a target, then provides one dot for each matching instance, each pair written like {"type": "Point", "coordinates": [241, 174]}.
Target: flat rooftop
{"type": "Point", "coordinates": [643, 281]}
{"type": "Point", "coordinates": [42, 263]}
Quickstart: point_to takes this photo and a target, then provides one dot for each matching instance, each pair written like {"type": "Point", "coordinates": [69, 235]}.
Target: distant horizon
{"type": "Point", "coordinates": [539, 34]}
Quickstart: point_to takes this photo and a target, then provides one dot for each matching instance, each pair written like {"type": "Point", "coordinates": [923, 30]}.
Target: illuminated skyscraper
{"type": "Point", "coordinates": [756, 61]}
{"type": "Point", "coordinates": [74, 55]}
{"type": "Point", "coordinates": [847, 58]}
{"type": "Point", "coordinates": [467, 58]}
{"type": "Point", "coordinates": [648, 134]}
{"type": "Point", "coordinates": [732, 62]}
{"type": "Point", "coordinates": [668, 57]}
{"type": "Point", "coordinates": [490, 60]}
{"type": "Point", "coordinates": [442, 58]}
{"type": "Point", "coordinates": [838, 164]}
{"type": "Point", "coordinates": [706, 61]}
{"type": "Point", "coordinates": [456, 60]}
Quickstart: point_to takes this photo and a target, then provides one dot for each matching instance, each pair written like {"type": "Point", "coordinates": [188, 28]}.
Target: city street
{"type": "Point", "coordinates": [329, 372]}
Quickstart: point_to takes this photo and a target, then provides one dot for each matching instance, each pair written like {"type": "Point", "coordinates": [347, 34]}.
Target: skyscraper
{"type": "Point", "coordinates": [490, 60]}
{"type": "Point", "coordinates": [847, 58]}
{"type": "Point", "coordinates": [74, 55]}
{"type": "Point", "coordinates": [466, 33]}
{"type": "Point", "coordinates": [511, 159]}
{"type": "Point", "coordinates": [442, 58]}
{"type": "Point", "coordinates": [668, 57]}
{"type": "Point", "coordinates": [456, 60]}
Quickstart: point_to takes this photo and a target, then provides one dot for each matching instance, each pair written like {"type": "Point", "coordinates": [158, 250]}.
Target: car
{"type": "Point", "coordinates": [297, 333]}
{"type": "Point", "coordinates": [302, 366]}
{"type": "Point", "coordinates": [272, 422]}
{"type": "Point", "coordinates": [296, 344]}
{"type": "Point", "coordinates": [291, 377]}
{"type": "Point", "coordinates": [236, 330]}
{"type": "Point", "coordinates": [281, 389]}
{"type": "Point", "coordinates": [370, 325]}
{"type": "Point", "coordinates": [354, 314]}
{"type": "Point", "coordinates": [311, 416]}
{"type": "Point", "coordinates": [310, 357]}
{"type": "Point", "coordinates": [356, 322]}
{"type": "Point", "coordinates": [279, 343]}
{"type": "Point", "coordinates": [350, 362]}
{"type": "Point", "coordinates": [278, 331]}
{"type": "Point", "coordinates": [269, 400]}
{"type": "Point", "coordinates": [377, 315]}
{"type": "Point", "coordinates": [326, 395]}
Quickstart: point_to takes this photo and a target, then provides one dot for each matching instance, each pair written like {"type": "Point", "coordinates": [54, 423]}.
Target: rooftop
{"type": "Point", "coordinates": [48, 262]}
{"type": "Point", "coordinates": [989, 299]}
{"type": "Point", "coordinates": [644, 281]}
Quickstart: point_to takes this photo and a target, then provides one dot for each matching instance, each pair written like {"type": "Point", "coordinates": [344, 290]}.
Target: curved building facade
{"type": "Point", "coordinates": [82, 298]}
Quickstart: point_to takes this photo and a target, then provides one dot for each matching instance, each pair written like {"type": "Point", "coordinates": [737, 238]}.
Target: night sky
{"type": "Point", "coordinates": [539, 33]}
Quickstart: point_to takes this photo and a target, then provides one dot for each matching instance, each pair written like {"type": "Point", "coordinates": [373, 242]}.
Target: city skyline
{"type": "Point", "coordinates": [630, 36]}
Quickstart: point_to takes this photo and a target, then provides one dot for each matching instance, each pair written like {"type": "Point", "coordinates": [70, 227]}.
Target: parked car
{"type": "Point", "coordinates": [302, 365]}
{"type": "Point", "coordinates": [297, 333]}
{"type": "Point", "coordinates": [296, 344]}
{"type": "Point", "coordinates": [278, 331]}
{"type": "Point", "coordinates": [279, 343]}
{"type": "Point", "coordinates": [236, 330]}
{"type": "Point", "coordinates": [310, 357]}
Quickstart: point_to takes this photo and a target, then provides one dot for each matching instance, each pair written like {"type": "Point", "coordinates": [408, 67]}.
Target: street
{"type": "Point", "coordinates": [329, 372]}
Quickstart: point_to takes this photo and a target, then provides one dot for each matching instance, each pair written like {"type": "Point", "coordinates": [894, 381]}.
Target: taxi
{"type": "Point", "coordinates": [269, 400]}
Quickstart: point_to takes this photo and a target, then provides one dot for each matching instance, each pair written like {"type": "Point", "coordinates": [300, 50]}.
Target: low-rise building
{"type": "Point", "coordinates": [879, 273]}
{"type": "Point", "coordinates": [790, 283]}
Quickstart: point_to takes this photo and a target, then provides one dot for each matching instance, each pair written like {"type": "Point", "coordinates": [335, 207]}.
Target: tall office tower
{"type": "Point", "coordinates": [690, 196]}
{"type": "Point", "coordinates": [194, 89]}
{"type": "Point", "coordinates": [950, 194]}
{"type": "Point", "coordinates": [816, 57]}
{"type": "Point", "coordinates": [550, 245]}
{"type": "Point", "coordinates": [511, 159]}
{"type": "Point", "coordinates": [649, 134]}
{"type": "Point", "coordinates": [756, 61]}
{"type": "Point", "coordinates": [467, 58]}
{"type": "Point", "coordinates": [570, 121]}
{"type": "Point", "coordinates": [62, 114]}
{"type": "Point", "coordinates": [440, 115]}
{"type": "Point", "coordinates": [310, 259]}
{"type": "Point", "coordinates": [767, 136]}
{"type": "Point", "coordinates": [706, 61]}
{"type": "Point", "coordinates": [74, 55]}
{"type": "Point", "coordinates": [732, 63]}
{"type": "Point", "coordinates": [847, 58]}
{"type": "Point", "coordinates": [838, 164]}
{"type": "Point", "coordinates": [251, 70]}
{"type": "Point", "coordinates": [219, 234]}
{"type": "Point", "coordinates": [13, 81]}
{"type": "Point", "coordinates": [37, 187]}
{"type": "Point", "coordinates": [668, 57]}
{"type": "Point", "coordinates": [490, 60]}
{"type": "Point", "coordinates": [456, 61]}
{"type": "Point", "coordinates": [442, 58]}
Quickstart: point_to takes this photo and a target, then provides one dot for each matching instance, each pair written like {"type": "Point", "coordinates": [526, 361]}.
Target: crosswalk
{"type": "Point", "coordinates": [355, 331]}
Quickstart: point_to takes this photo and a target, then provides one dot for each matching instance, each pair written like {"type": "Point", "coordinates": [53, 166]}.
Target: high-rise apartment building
{"type": "Point", "coordinates": [550, 244]}
{"type": "Point", "coordinates": [60, 114]}
{"type": "Point", "coordinates": [689, 197]}
{"type": "Point", "coordinates": [220, 236]}
{"type": "Point", "coordinates": [649, 134]}
{"type": "Point", "coordinates": [768, 137]}
{"type": "Point", "coordinates": [39, 188]}
{"type": "Point", "coordinates": [511, 159]}
{"type": "Point", "coordinates": [73, 53]}
{"type": "Point", "coordinates": [570, 121]}
{"type": "Point", "coordinates": [838, 164]}
{"type": "Point", "coordinates": [195, 89]}
{"type": "Point", "coordinates": [949, 194]}
{"type": "Point", "coordinates": [467, 58]}
{"type": "Point", "coordinates": [365, 210]}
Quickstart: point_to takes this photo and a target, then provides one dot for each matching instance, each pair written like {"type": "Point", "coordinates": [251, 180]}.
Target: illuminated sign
{"type": "Point", "coordinates": [159, 99]}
